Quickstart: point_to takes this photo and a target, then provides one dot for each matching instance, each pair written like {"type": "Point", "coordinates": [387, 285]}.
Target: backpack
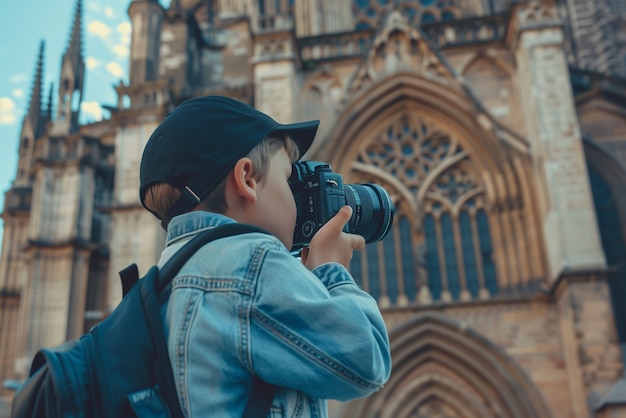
{"type": "Point", "coordinates": [121, 368]}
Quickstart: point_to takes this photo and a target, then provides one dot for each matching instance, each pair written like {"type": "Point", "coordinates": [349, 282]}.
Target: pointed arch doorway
{"type": "Point", "coordinates": [442, 369]}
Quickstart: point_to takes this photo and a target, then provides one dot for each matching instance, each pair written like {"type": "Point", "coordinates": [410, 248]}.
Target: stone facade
{"type": "Point", "coordinates": [497, 127]}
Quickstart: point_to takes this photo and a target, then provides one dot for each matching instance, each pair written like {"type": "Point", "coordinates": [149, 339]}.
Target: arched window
{"type": "Point", "coordinates": [369, 12]}
{"type": "Point", "coordinates": [275, 7]}
{"type": "Point", "coordinates": [428, 17]}
{"type": "Point", "coordinates": [443, 252]}
{"type": "Point", "coordinates": [448, 15]}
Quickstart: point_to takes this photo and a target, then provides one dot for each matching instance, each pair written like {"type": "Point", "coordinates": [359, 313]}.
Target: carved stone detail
{"type": "Point", "coordinates": [399, 47]}
{"type": "Point", "coordinates": [537, 14]}
{"type": "Point", "coordinates": [429, 165]}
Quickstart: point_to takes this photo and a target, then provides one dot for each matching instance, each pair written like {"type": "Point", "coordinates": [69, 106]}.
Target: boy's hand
{"type": "Point", "coordinates": [331, 244]}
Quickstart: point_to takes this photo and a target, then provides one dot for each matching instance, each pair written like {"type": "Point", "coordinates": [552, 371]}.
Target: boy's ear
{"type": "Point", "coordinates": [245, 184]}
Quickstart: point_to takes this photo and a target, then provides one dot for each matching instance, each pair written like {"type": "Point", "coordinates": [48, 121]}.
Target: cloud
{"type": "Point", "coordinates": [93, 6]}
{"type": "Point", "coordinates": [7, 118]}
{"type": "Point", "coordinates": [108, 12]}
{"type": "Point", "coordinates": [18, 78]}
{"type": "Point", "coordinates": [6, 104]}
{"type": "Point", "coordinates": [99, 29]}
{"type": "Point", "coordinates": [124, 28]}
{"type": "Point", "coordinates": [18, 93]}
{"type": "Point", "coordinates": [7, 111]}
{"type": "Point", "coordinates": [105, 32]}
{"type": "Point", "coordinates": [120, 50]}
{"type": "Point", "coordinates": [115, 69]}
{"type": "Point", "coordinates": [92, 109]}
{"type": "Point", "coordinates": [92, 63]}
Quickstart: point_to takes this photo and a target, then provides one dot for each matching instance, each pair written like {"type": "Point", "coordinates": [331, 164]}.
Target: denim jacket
{"type": "Point", "coordinates": [243, 305]}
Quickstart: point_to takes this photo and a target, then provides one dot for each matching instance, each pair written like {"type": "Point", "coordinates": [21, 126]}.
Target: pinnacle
{"type": "Point", "coordinates": [34, 108]}
{"type": "Point", "coordinates": [75, 47]}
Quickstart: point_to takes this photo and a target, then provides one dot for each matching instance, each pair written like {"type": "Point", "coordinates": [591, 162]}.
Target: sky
{"type": "Point", "coordinates": [23, 25]}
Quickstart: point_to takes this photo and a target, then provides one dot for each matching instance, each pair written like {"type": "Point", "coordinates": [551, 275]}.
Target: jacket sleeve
{"type": "Point", "coordinates": [316, 332]}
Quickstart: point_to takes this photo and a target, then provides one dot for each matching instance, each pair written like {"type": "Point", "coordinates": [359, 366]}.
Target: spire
{"type": "Point", "coordinates": [34, 107]}
{"type": "Point", "coordinates": [49, 105]}
{"type": "Point", "coordinates": [71, 82]}
{"type": "Point", "coordinates": [75, 47]}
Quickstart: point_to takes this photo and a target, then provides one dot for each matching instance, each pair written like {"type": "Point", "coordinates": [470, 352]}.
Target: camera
{"type": "Point", "coordinates": [320, 193]}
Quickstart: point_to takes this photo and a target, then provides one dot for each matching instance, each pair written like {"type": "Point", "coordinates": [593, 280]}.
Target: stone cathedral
{"type": "Point", "coordinates": [497, 126]}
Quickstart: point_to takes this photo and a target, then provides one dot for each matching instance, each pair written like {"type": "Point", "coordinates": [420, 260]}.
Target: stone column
{"type": "Point", "coordinates": [136, 235]}
{"type": "Point", "coordinates": [567, 210]}
{"type": "Point", "coordinates": [275, 76]}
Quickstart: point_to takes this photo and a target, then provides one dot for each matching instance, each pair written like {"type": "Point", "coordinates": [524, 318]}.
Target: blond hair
{"type": "Point", "coordinates": [161, 197]}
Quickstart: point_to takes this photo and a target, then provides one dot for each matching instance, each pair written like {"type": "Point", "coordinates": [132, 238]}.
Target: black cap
{"type": "Point", "coordinates": [196, 145]}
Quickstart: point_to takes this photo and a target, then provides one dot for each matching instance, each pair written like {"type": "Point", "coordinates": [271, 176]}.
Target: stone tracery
{"type": "Point", "coordinates": [434, 184]}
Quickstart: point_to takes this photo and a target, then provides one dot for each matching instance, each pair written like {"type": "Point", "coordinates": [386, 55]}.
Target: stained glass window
{"type": "Point", "coordinates": [489, 267]}
{"type": "Point", "coordinates": [451, 251]}
{"type": "Point", "coordinates": [369, 12]}
{"type": "Point", "coordinates": [469, 260]}
{"type": "Point", "coordinates": [408, 260]}
{"type": "Point", "coordinates": [432, 257]}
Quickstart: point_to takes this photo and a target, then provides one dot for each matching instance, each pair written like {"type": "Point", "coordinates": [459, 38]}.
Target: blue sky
{"type": "Point", "coordinates": [23, 24]}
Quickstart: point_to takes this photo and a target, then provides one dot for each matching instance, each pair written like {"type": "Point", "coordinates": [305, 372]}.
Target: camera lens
{"type": "Point", "coordinates": [372, 210]}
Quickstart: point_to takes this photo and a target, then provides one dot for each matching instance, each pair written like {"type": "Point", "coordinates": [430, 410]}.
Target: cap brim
{"type": "Point", "coordinates": [302, 133]}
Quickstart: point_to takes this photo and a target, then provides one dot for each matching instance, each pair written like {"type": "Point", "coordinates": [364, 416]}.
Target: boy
{"type": "Point", "coordinates": [243, 305]}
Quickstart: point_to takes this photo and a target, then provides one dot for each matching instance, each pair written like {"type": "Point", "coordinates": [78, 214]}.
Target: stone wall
{"type": "Point", "coordinates": [566, 344]}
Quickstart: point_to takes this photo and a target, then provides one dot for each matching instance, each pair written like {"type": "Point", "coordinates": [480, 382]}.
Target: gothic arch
{"type": "Point", "coordinates": [425, 143]}
{"type": "Point", "coordinates": [600, 119]}
{"type": "Point", "coordinates": [446, 104]}
{"type": "Point", "coordinates": [440, 363]}
{"type": "Point", "coordinates": [611, 216]}
{"type": "Point", "coordinates": [612, 173]}
{"type": "Point", "coordinates": [603, 126]}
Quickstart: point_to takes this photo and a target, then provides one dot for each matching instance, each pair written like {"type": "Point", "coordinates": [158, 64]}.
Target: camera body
{"type": "Point", "coordinates": [319, 194]}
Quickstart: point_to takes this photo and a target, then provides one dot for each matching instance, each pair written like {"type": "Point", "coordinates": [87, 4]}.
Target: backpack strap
{"type": "Point", "coordinates": [262, 393]}
{"type": "Point", "coordinates": [129, 276]}
{"type": "Point", "coordinates": [174, 264]}
{"type": "Point", "coordinates": [261, 397]}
